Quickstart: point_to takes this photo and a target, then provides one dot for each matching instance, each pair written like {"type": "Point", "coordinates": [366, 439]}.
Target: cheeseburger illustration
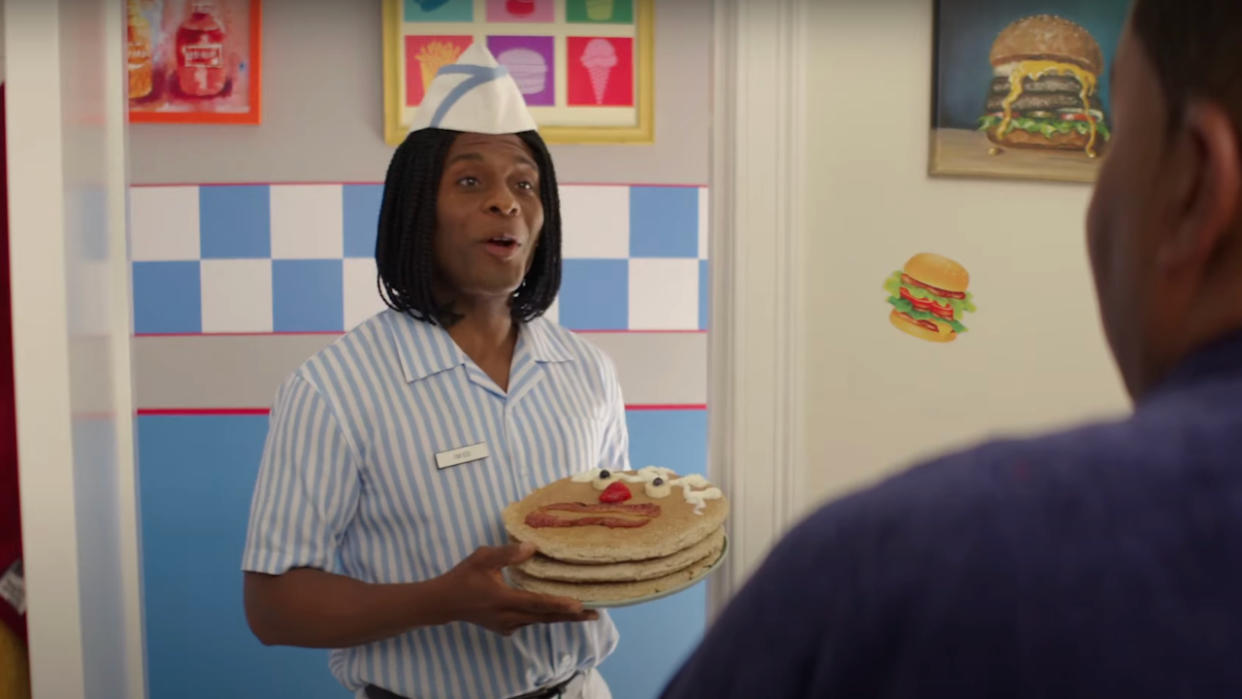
{"type": "Point", "coordinates": [1045, 93]}
{"type": "Point", "coordinates": [929, 297]}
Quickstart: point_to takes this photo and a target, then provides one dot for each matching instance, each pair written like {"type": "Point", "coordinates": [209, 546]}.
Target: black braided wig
{"type": "Point", "coordinates": [404, 249]}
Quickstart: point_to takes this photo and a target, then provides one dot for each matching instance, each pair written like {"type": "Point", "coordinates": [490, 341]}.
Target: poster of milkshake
{"type": "Point", "coordinates": [194, 61]}
{"type": "Point", "coordinates": [584, 67]}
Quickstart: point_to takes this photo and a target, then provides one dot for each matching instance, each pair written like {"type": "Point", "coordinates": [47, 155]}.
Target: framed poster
{"type": "Point", "coordinates": [584, 66]}
{"type": "Point", "coordinates": [1021, 87]}
{"type": "Point", "coordinates": [194, 61]}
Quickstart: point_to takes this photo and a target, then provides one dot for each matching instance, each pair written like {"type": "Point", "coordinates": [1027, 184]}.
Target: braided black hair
{"type": "Point", "coordinates": [404, 249]}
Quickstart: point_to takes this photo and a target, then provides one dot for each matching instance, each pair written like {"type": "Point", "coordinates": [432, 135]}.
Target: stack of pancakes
{"type": "Point", "coordinates": [676, 543]}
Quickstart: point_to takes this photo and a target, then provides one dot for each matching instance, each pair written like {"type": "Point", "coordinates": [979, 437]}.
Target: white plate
{"type": "Point", "coordinates": [658, 595]}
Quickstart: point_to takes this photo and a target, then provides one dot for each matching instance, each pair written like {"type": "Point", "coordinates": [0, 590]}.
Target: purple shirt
{"type": "Point", "coordinates": [1100, 562]}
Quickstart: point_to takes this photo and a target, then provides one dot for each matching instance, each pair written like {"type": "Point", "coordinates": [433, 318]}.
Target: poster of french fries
{"type": "Point", "coordinates": [583, 66]}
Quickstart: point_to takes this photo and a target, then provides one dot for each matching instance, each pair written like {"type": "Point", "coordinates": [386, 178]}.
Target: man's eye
{"type": "Point", "coordinates": [468, 181]}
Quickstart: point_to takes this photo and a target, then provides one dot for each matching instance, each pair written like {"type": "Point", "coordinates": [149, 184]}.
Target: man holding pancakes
{"type": "Point", "coordinates": [375, 528]}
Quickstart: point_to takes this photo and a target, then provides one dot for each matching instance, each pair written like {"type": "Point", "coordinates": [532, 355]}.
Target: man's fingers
{"type": "Point", "coordinates": [501, 556]}
{"type": "Point", "coordinates": [533, 603]}
{"type": "Point", "coordinates": [585, 615]}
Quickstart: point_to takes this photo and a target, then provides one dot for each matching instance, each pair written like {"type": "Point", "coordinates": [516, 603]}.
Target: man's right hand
{"type": "Point", "coordinates": [475, 591]}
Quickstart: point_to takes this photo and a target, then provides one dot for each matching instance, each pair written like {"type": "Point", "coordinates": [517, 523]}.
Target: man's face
{"type": "Point", "coordinates": [1131, 205]}
{"type": "Point", "coordinates": [488, 216]}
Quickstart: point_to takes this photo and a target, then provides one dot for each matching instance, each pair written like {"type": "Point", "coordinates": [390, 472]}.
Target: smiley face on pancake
{"type": "Point", "coordinates": [617, 534]}
{"type": "Point", "coordinates": [586, 519]}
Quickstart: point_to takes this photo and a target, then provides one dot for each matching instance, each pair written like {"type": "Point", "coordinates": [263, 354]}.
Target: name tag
{"type": "Point", "coordinates": [461, 455]}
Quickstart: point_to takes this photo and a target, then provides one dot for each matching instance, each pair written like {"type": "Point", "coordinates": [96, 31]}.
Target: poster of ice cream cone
{"type": "Point", "coordinates": [521, 11]}
{"type": "Point", "coordinates": [620, 11]}
{"type": "Point", "coordinates": [531, 61]}
{"type": "Point", "coordinates": [425, 56]}
{"type": "Point", "coordinates": [585, 68]}
{"type": "Point", "coordinates": [601, 71]}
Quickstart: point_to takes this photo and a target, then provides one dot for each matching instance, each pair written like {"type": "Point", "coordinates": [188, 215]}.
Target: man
{"type": "Point", "coordinates": [375, 527]}
{"type": "Point", "coordinates": [1101, 562]}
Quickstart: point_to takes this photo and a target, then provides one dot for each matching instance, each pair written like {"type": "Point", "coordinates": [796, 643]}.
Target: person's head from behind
{"type": "Point", "coordinates": [1165, 225]}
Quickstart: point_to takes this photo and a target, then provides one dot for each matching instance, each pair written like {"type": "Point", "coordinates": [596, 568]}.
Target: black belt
{"type": "Point", "coordinates": [549, 692]}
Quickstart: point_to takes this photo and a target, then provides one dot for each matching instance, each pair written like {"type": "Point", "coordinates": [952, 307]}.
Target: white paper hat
{"type": "Point", "coordinates": [474, 94]}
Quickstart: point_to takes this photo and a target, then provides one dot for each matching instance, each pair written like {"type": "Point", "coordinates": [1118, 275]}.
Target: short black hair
{"type": "Point", "coordinates": [1193, 45]}
{"type": "Point", "coordinates": [404, 249]}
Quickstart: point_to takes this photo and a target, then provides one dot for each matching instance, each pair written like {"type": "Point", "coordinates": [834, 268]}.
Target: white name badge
{"type": "Point", "coordinates": [461, 455]}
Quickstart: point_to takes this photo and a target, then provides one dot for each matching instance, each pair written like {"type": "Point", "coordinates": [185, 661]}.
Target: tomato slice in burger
{"type": "Point", "coordinates": [928, 306]}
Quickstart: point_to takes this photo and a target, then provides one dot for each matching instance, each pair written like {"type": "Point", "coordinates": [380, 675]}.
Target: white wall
{"type": "Point", "coordinates": [1034, 357]}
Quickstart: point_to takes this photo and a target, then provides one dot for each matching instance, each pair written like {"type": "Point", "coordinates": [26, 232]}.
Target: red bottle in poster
{"type": "Point", "coordinates": [201, 69]}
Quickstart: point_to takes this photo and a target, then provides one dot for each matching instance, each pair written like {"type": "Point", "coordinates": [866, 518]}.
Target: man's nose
{"type": "Point", "coordinates": [502, 202]}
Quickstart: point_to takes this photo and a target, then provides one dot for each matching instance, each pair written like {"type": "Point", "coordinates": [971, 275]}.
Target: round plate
{"type": "Point", "coordinates": [586, 604]}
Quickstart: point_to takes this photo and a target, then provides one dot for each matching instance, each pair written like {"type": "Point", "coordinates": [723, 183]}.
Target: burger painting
{"type": "Point", "coordinates": [1021, 87]}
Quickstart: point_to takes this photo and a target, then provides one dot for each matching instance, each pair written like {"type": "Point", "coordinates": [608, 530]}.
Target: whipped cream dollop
{"type": "Point", "coordinates": [657, 482]}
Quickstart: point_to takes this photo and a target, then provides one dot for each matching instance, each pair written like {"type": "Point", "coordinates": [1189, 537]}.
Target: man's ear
{"type": "Point", "coordinates": [1207, 184]}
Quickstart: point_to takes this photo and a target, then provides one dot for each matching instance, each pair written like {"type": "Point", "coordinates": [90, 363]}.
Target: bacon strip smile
{"type": "Point", "coordinates": [611, 515]}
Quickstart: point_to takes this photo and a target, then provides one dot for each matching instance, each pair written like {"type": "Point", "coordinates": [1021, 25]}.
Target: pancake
{"type": "Point", "coordinates": [678, 525]}
{"type": "Point", "coordinates": [551, 569]}
{"type": "Point", "coordinates": [604, 592]}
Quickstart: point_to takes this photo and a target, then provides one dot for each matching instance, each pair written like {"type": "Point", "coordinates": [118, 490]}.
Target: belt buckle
{"type": "Point", "coordinates": [552, 690]}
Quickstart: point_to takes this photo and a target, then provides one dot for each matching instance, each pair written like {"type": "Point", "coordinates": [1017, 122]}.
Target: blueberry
{"type": "Point", "coordinates": [603, 473]}
{"type": "Point", "coordinates": [658, 481]}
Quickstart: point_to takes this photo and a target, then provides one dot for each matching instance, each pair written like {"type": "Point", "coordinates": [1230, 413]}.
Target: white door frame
{"type": "Point", "coordinates": [755, 342]}
{"type": "Point", "coordinates": [66, 117]}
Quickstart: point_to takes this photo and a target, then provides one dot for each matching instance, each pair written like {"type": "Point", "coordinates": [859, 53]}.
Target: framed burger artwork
{"type": "Point", "coordinates": [1021, 87]}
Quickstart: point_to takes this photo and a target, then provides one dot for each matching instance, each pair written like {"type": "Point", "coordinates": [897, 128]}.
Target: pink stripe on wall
{"type": "Point", "coordinates": [204, 411]}
{"type": "Point", "coordinates": [199, 412]}
{"type": "Point", "coordinates": [688, 331]}
{"type": "Point", "coordinates": [325, 182]}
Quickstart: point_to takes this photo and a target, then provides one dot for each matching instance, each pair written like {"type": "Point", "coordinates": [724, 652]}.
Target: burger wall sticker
{"type": "Point", "coordinates": [1021, 87]}
{"type": "Point", "coordinates": [929, 297]}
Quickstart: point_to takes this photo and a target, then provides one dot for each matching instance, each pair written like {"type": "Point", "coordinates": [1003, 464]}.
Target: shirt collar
{"type": "Point", "coordinates": [426, 349]}
{"type": "Point", "coordinates": [543, 342]}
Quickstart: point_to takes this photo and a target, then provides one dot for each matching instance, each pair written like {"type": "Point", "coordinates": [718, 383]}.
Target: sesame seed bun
{"type": "Point", "coordinates": [1048, 38]}
{"type": "Point", "coordinates": [938, 271]}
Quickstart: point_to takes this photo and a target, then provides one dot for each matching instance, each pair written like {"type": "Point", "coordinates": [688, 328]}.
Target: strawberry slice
{"type": "Point", "coordinates": [617, 492]}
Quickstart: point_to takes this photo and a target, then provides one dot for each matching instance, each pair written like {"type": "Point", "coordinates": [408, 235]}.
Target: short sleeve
{"type": "Point", "coordinates": [615, 454]}
{"type": "Point", "coordinates": [307, 489]}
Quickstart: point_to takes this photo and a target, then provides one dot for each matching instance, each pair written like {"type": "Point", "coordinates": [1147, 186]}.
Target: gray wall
{"type": "Point", "coordinates": [323, 109]}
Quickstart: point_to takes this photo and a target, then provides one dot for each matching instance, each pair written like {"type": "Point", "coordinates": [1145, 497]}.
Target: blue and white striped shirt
{"type": "Point", "coordinates": [349, 484]}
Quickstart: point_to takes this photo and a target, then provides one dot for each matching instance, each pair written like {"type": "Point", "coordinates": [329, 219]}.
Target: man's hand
{"type": "Point", "coordinates": [475, 591]}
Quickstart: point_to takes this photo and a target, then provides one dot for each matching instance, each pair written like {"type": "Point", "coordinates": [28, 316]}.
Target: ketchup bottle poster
{"type": "Point", "coordinates": [193, 61]}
